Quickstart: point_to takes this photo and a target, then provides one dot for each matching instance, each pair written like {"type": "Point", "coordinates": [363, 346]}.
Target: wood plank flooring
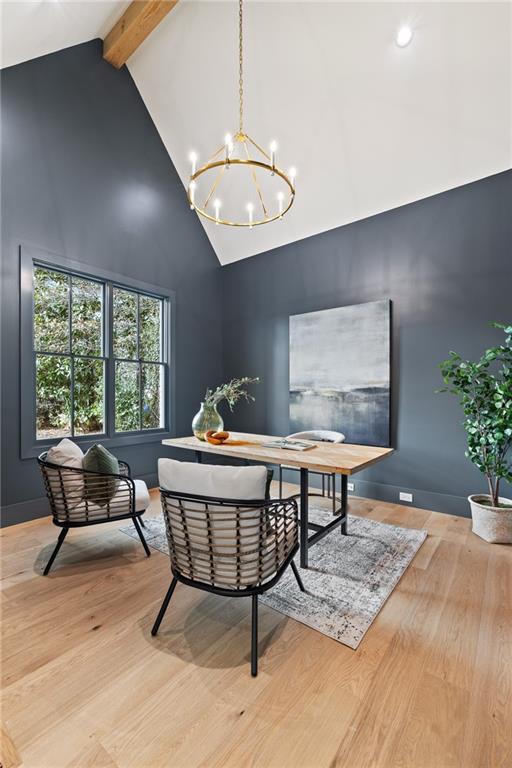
{"type": "Point", "coordinates": [86, 686]}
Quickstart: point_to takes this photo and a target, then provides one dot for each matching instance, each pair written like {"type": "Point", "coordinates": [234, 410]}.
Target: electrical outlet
{"type": "Point", "coordinates": [405, 496]}
{"type": "Point", "coordinates": [350, 486]}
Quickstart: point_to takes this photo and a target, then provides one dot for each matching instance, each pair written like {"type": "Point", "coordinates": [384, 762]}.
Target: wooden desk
{"type": "Point", "coordinates": [339, 458]}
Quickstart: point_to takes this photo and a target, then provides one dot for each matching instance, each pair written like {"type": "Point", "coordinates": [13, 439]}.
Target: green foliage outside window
{"type": "Point", "coordinates": [69, 316]}
{"type": "Point", "coordinates": [137, 349]}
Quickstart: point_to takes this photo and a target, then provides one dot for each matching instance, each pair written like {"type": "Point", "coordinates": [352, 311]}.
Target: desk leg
{"type": "Point", "coordinates": [344, 505]}
{"type": "Point", "coordinates": [199, 457]}
{"type": "Point", "coordinates": [304, 483]}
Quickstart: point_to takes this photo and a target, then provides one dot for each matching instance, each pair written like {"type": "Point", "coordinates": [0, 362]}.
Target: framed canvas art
{"type": "Point", "coordinates": [340, 371]}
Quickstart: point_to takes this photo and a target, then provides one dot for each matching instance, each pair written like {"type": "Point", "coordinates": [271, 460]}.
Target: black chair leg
{"type": "Point", "coordinates": [297, 576]}
{"type": "Point", "coordinates": [280, 482]}
{"type": "Point", "coordinates": [141, 536]}
{"type": "Point", "coordinates": [62, 536]}
{"type": "Point", "coordinates": [164, 606]}
{"type": "Point", "coordinates": [141, 521]}
{"type": "Point", "coordinates": [254, 637]}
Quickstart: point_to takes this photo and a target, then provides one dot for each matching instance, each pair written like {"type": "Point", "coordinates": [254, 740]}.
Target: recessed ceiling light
{"type": "Point", "coordinates": [403, 36]}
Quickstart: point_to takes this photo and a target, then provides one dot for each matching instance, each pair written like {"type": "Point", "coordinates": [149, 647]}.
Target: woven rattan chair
{"type": "Point", "coordinates": [233, 548]}
{"type": "Point", "coordinates": [79, 497]}
{"type": "Point", "coordinates": [328, 478]}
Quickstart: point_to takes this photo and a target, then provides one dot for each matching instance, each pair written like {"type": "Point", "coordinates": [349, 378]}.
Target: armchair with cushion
{"type": "Point", "coordinates": [321, 436]}
{"type": "Point", "coordinates": [79, 497]}
{"type": "Point", "coordinates": [224, 536]}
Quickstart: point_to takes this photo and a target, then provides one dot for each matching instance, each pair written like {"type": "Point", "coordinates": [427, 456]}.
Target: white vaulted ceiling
{"type": "Point", "coordinates": [38, 27]}
{"type": "Point", "coordinates": [368, 125]}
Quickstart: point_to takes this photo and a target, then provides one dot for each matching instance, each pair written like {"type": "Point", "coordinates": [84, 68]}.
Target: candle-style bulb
{"type": "Point", "coordinates": [250, 208]}
{"type": "Point", "coordinates": [192, 194]}
{"type": "Point", "coordinates": [273, 150]}
{"type": "Point", "coordinates": [280, 199]}
{"type": "Point", "coordinates": [228, 145]}
{"type": "Point", "coordinates": [292, 173]}
{"type": "Point", "coordinates": [193, 160]}
{"type": "Point", "coordinates": [217, 205]}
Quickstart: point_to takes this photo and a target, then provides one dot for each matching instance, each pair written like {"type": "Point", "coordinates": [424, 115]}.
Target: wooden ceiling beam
{"type": "Point", "coordinates": [137, 22]}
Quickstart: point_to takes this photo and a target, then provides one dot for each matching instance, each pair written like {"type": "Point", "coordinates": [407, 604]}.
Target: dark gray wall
{"type": "Point", "coordinates": [85, 175]}
{"type": "Point", "coordinates": [446, 263]}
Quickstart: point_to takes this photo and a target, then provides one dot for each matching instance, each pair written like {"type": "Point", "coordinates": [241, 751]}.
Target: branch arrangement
{"type": "Point", "coordinates": [232, 392]}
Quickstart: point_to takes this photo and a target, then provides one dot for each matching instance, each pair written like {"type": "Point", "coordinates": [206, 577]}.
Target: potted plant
{"type": "Point", "coordinates": [485, 391]}
{"type": "Point", "coordinates": [208, 417]}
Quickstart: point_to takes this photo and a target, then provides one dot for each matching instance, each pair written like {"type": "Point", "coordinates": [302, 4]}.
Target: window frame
{"type": "Point", "coordinates": [70, 354]}
{"type": "Point", "coordinates": [137, 360]}
{"type": "Point", "coordinates": [30, 446]}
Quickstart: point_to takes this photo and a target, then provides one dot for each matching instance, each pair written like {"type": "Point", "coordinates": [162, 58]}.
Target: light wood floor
{"type": "Point", "coordinates": [85, 685]}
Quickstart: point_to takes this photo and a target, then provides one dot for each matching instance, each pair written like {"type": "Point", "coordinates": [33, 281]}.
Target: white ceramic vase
{"type": "Point", "coordinates": [494, 524]}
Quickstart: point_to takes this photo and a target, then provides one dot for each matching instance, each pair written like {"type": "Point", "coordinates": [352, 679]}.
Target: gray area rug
{"type": "Point", "coordinates": [349, 578]}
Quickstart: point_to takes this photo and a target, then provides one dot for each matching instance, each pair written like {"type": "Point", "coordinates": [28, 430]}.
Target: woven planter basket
{"type": "Point", "coordinates": [493, 524]}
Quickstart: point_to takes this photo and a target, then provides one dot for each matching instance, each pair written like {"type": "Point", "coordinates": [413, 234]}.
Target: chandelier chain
{"type": "Point", "coordinates": [256, 161]}
{"type": "Point", "coordinates": [241, 66]}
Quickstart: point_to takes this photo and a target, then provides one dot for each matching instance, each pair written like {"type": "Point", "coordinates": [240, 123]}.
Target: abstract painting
{"type": "Point", "coordinates": [340, 371]}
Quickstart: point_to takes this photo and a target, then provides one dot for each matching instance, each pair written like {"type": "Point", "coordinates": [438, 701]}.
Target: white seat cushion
{"type": "Point", "coordinates": [118, 505]}
{"type": "Point", "coordinates": [220, 482]}
{"type": "Point", "coordinates": [207, 538]}
{"type": "Point", "coordinates": [141, 496]}
{"type": "Point", "coordinates": [120, 498]}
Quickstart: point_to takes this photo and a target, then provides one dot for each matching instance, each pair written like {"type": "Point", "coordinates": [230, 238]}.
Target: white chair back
{"type": "Point", "coordinates": [321, 435]}
{"type": "Point", "coordinates": [220, 529]}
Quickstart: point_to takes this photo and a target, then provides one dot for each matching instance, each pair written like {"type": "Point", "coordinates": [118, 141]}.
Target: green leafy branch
{"type": "Point", "coordinates": [232, 392]}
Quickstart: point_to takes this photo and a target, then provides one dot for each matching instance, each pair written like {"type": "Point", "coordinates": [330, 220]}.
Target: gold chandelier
{"type": "Point", "coordinates": [267, 187]}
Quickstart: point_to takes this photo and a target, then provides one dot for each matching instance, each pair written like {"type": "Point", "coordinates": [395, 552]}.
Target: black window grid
{"type": "Point", "coordinates": [108, 357]}
{"type": "Point", "coordinates": [138, 360]}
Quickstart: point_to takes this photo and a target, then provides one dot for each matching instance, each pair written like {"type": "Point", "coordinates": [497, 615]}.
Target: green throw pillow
{"type": "Point", "coordinates": [98, 490]}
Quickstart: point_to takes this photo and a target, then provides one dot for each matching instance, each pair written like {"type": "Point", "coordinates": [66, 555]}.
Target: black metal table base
{"type": "Point", "coordinates": [307, 541]}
